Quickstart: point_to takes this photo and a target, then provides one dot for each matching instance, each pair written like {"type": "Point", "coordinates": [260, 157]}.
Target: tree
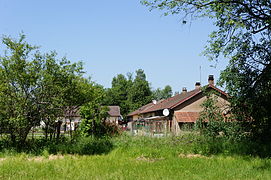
{"type": "Point", "coordinates": [165, 93]}
{"type": "Point", "coordinates": [118, 93]}
{"type": "Point", "coordinates": [77, 92]}
{"type": "Point", "coordinates": [211, 115]}
{"type": "Point", "coordinates": [128, 92]}
{"type": "Point", "coordinates": [33, 88]}
{"type": "Point", "coordinates": [243, 36]}
{"type": "Point", "coordinates": [140, 92]}
{"type": "Point", "coordinates": [94, 114]}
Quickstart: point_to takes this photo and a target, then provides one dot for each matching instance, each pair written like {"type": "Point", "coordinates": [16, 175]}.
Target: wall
{"type": "Point", "coordinates": [194, 105]}
{"type": "Point", "coordinates": [113, 120]}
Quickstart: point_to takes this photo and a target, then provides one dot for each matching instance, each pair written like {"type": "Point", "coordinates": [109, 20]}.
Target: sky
{"type": "Point", "coordinates": [115, 37]}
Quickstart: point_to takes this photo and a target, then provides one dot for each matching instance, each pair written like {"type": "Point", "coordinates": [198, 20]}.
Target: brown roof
{"type": "Point", "coordinates": [72, 111]}
{"type": "Point", "coordinates": [144, 108]}
{"type": "Point", "coordinates": [172, 102]}
{"type": "Point", "coordinates": [114, 111]}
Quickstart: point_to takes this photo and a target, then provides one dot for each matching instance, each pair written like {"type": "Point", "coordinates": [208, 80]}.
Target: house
{"type": "Point", "coordinates": [169, 115]}
{"type": "Point", "coordinates": [114, 115]}
{"type": "Point", "coordinates": [72, 118]}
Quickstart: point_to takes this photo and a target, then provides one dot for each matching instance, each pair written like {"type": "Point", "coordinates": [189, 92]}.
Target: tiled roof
{"type": "Point", "coordinates": [172, 102]}
{"type": "Point", "coordinates": [144, 108]}
{"type": "Point", "coordinates": [186, 116]}
{"type": "Point", "coordinates": [114, 111]}
{"type": "Point", "coordinates": [72, 111]}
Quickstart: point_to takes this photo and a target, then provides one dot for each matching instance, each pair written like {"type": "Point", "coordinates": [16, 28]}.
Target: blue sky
{"type": "Point", "coordinates": [115, 37]}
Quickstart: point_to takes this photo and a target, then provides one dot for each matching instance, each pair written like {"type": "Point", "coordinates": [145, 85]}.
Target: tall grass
{"type": "Point", "coordinates": [141, 158]}
{"type": "Point", "coordinates": [82, 146]}
{"type": "Point", "coordinates": [195, 143]}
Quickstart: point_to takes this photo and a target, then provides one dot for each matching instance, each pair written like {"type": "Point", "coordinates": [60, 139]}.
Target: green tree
{"type": "Point", "coordinates": [128, 92]}
{"type": "Point", "coordinates": [94, 114]}
{"type": "Point", "coordinates": [211, 115]}
{"type": "Point", "coordinates": [140, 92]}
{"type": "Point", "coordinates": [33, 88]}
{"type": "Point", "coordinates": [243, 37]}
{"type": "Point", "coordinates": [118, 93]}
{"type": "Point", "coordinates": [77, 92]}
{"type": "Point", "coordinates": [165, 93]}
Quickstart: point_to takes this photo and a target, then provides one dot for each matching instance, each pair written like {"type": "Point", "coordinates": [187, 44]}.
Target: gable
{"type": "Point", "coordinates": [114, 111]}
{"type": "Point", "coordinates": [194, 104]}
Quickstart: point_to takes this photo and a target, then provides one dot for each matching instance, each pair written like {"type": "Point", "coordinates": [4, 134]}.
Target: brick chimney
{"type": "Point", "coordinates": [211, 80]}
{"type": "Point", "coordinates": [184, 90]}
{"type": "Point", "coordinates": [197, 85]}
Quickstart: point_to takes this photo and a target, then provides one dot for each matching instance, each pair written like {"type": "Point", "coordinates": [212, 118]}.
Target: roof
{"type": "Point", "coordinates": [72, 111]}
{"type": "Point", "coordinates": [114, 111]}
{"type": "Point", "coordinates": [144, 108]}
{"type": "Point", "coordinates": [173, 102]}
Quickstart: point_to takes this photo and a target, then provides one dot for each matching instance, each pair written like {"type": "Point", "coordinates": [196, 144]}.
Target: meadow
{"type": "Point", "coordinates": [186, 157]}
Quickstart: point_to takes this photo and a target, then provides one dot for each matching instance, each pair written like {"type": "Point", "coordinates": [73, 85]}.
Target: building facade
{"type": "Point", "coordinates": [169, 115]}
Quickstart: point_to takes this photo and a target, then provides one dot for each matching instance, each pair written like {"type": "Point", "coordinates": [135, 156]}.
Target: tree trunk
{"type": "Point", "coordinates": [70, 127]}
{"type": "Point", "coordinates": [58, 129]}
{"type": "Point", "coordinates": [46, 131]}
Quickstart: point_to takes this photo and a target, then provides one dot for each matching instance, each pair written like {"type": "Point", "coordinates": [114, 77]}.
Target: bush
{"type": "Point", "coordinates": [80, 145]}
{"type": "Point", "coordinates": [91, 145]}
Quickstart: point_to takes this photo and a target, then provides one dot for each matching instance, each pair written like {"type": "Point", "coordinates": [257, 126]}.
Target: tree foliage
{"type": "Point", "coordinates": [118, 93]}
{"type": "Point", "coordinates": [36, 87]}
{"type": "Point", "coordinates": [94, 114]}
{"type": "Point", "coordinates": [140, 92]}
{"type": "Point", "coordinates": [129, 92]}
{"type": "Point", "coordinates": [165, 93]}
{"type": "Point", "coordinates": [242, 36]}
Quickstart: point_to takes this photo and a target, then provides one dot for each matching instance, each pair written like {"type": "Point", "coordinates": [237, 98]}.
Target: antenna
{"type": "Point", "coordinates": [200, 74]}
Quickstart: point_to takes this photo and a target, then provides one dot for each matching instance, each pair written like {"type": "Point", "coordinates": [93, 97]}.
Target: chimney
{"type": "Point", "coordinates": [211, 79]}
{"type": "Point", "coordinates": [184, 90]}
{"type": "Point", "coordinates": [154, 101]}
{"type": "Point", "coordinates": [197, 85]}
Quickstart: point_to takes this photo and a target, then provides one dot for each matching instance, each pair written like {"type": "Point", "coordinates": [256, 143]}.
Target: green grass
{"type": "Point", "coordinates": [136, 158]}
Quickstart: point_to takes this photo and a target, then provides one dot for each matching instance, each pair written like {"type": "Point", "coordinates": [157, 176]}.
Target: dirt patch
{"type": "Point", "coordinates": [147, 159]}
{"type": "Point", "coordinates": [54, 157]}
{"type": "Point", "coordinates": [192, 156]}
{"type": "Point", "coordinates": [41, 158]}
{"type": "Point", "coordinates": [36, 159]}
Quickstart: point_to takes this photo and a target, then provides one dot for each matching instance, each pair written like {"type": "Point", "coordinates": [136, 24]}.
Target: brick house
{"type": "Point", "coordinates": [169, 115]}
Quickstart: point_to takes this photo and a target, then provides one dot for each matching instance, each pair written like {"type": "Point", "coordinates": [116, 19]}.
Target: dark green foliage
{"type": "Point", "coordinates": [213, 123]}
{"type": "Point", "coordinates": [37, 87]}
{"type": "Point", "coordinates": [94, 115]}
{"type": "Point", "coordinates": [140, 93]}
{"type": "Point", "coordinates": [118, 93]}
{"type": "Point", "coordinates": [129, 93]}
{"type": "Point", "coordinates": [90, 145]}
{"type": "Point", "coordinates": [243, 36]}
{"type": "Point", "coordinates": [165, 93]}
{"type": "Point", "coordinates": [80, 145]}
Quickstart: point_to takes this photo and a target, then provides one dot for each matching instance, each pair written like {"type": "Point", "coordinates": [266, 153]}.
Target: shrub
{"type": "Point", "coordinates": [91, 145]}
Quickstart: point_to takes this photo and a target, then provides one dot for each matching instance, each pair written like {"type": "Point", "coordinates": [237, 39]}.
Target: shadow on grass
{"type": "Point", "coordinates": [81, 146]}
{"type": "Point", "coordinates": [214, 146]}
{"type": "Point", "coordinates": [265, 165]}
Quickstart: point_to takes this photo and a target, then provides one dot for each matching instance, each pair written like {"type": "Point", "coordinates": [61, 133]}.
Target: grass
{"type": "Point", "coordinates": [136, 158]}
